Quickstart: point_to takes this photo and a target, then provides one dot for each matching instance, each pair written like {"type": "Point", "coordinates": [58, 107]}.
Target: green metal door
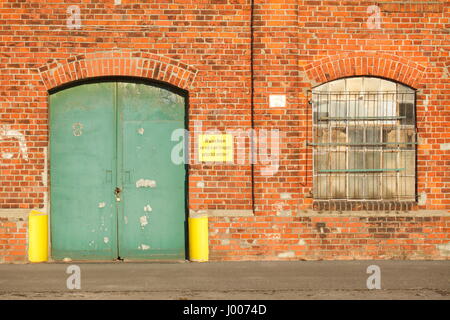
{"type": "Point", "coordinates": [115, 193]}
{"type": "Point", "coordinates": [82, 155]}
{"type": "Point", "coordinates": [152, 217]}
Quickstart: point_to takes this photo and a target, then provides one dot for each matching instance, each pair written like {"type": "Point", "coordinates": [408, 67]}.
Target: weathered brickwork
{"type": "Point", "coordinates": [328, 238]}
{"type": "Point", "coordinates": [230, 55]}
{"type": "Point", "coordinates": [13, 240]}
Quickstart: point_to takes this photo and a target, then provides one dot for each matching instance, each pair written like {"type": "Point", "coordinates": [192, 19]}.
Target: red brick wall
{"type": "Point", "coordinates": [205, 48]}
{"type": "Point", "coordinates": [330, 238]}
{"type": "Point", "coordinates": [13, 240]}
{"type": "Point", "coordinates": [174, 42]}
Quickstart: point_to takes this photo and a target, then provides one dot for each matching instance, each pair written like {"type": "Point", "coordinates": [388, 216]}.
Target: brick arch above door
{"type": "Point", "coordinates": [383, 65]}
{"type": "Point", "coordinates": [118, 63]}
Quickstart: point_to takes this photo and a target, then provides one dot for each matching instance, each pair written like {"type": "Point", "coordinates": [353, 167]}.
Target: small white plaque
{"type": "Point", "coordinates": [277, 101]}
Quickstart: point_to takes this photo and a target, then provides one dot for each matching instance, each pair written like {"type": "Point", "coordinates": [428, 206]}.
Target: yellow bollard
{"type": "Point", "coordinates": [198, 238]}
{"type": "Point", "coordinates": [37, 236]}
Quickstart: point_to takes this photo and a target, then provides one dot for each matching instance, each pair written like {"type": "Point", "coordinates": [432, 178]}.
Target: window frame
{"type": "Point", "coordinates": [380, 123]}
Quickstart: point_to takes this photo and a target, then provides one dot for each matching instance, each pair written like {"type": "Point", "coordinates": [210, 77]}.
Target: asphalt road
{"type": "Point", "coordinates": [228, 280]}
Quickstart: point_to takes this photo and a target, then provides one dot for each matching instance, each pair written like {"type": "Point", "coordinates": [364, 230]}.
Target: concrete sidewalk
{"type": "Point", "coordinates": [229, 280]}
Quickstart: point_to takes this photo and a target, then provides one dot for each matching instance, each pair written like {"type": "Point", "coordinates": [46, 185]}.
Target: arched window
{"type": "Point", "coordinates": [364, 141]}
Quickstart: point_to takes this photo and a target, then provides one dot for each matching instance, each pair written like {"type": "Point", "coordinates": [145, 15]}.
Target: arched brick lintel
{"type": "Point", "coordinates": [366, 64]}
{"type": "Point", "coordinates": [118, 63]}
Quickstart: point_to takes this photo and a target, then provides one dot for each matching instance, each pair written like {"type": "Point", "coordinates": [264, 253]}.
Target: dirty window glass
{"type": "Point", "coordinates": [364, 140]}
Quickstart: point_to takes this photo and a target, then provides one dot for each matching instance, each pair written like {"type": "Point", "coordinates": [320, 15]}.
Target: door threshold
{"type": "Point", "coordinates": [117, 261]}
{"type": "Point", "coordinates": [154, 261]}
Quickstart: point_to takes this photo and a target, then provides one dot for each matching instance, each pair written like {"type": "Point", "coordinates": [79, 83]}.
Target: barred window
{"type": "Point", "coordinates": [364, 140]}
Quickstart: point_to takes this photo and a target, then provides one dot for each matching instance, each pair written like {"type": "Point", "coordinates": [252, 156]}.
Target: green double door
{"type": "Point", "coordinates": [115, 191]}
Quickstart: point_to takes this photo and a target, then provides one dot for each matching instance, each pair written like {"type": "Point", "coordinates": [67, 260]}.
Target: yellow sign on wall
{"type": "Point", "coordinates": [215, 147]}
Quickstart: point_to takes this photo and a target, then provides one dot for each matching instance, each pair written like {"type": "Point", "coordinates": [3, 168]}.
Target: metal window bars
{"type": "Point", "coordinates": [364, 145]}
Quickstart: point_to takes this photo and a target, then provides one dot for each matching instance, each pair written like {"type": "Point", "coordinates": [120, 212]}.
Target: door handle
{"type": "Point", "coordinates": [127, 176]}
{"type": "Point", "coordinates": [117, 192]}
{"type": "Point", "coordinates": [108, 176]}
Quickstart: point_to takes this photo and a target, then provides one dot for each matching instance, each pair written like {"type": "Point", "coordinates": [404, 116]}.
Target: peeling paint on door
{"type": "Point", "coordinates": [77, 129]}
{"type": "Point", "coordinates": [144, 247]}
{"type": "Point", "coordinates": [145, 183]}
{"type": "Point", "coordinates": [143, 220]}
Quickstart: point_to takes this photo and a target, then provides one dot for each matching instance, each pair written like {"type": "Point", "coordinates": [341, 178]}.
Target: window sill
{"type": "Point", "coordinates": [364, 205]}
{"type": "Point", "coordinates": [374, 214]}
{"type": "Point", "coordinates": [221, 213]}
